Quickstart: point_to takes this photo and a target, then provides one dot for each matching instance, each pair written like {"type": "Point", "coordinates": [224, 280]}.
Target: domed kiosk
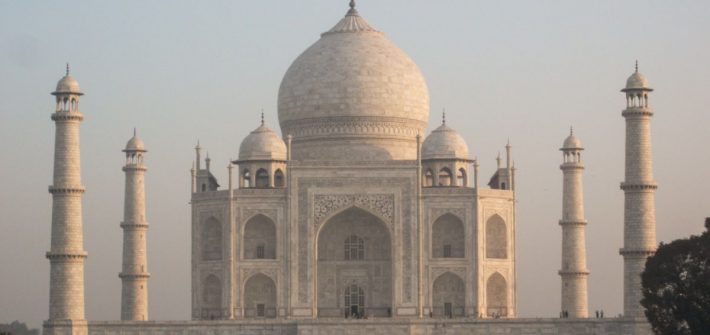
{"type": "Point", "coordinates": [353, 95]}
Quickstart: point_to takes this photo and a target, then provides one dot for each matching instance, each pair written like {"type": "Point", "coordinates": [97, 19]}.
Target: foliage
{"type": "Point", "coordinates": [16, 328]}
{"type": "Point", "coordinates": [676, 286]}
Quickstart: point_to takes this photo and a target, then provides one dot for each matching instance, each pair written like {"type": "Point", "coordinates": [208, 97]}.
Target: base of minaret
{"type": "Point", "coordinates": [574, 293]}
{"type": "Point", "coordinates": [134, 297]}
{"type": "Point", "coordinates": [65, 327]}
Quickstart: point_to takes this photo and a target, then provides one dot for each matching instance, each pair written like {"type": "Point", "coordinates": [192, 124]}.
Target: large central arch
{"type": "Point", "coordinates": [354, 249]}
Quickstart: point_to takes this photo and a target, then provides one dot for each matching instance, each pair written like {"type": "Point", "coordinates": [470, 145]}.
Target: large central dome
{"type": "Point", "coordinates": [353, 95]}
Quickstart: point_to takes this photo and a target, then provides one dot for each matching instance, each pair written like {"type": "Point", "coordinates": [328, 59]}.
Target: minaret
{"type": "Point", "coordinates": [134, 275]}
{"type": "Point", "coordinates": [639, 192]}
{"type": "Point", "coordinates": [66, 255]}
{"type": "Point", "coordinates": [574, 252]}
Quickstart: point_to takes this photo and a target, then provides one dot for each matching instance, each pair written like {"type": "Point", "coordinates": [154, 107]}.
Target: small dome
{"type": "Point", "coordinates": [135, 143]}
{"type": "Point", "coordinates": [68, 85]}
{"type": "Point", "coordinates": [262, 144]}
{"type": "Point", "coordinates": [572, 142]}
{"type": "Point", "coordinates": [637, 81]}
{"type": "Point", "coordinates": [444, 143]}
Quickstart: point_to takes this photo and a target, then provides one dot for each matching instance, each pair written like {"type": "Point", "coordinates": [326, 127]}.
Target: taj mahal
{"type": "Point", "coordinates": [352, 219]}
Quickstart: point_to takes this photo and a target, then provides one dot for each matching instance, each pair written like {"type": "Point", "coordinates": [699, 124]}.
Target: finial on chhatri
{"type": "Point", "coordinates": [198, 144]}
{"type": "Point", "coordinates": [262, 116]}
{"type": "Point", "coordinates": [443, 116]}
{"type": "Point", "coordinates": [571, 131]}
{"type": "Point", "coordinates": [134, 131]}
{"type": "Point", "coordinates": [352, 4]}
{"type": "Point", "coordinates": [507, 144]}
{"type": "Point", "coordinates": [637, 66]}
{"type": "Point", "coordinates": [67, 68]}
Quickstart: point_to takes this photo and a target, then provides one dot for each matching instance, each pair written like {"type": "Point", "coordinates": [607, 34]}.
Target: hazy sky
{"type": "Point", "coordinates": [183, 70]}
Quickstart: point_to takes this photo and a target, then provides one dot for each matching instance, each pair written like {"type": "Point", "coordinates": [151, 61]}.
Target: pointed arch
{"type": "Point", "coordinates": [449, 296]}
{"type": "Point", "coordinates": [279, 179]}
{"type": "Point", "coordinates": [372, 272]}
{"type": "Point", "coordinates": [211, 240]}
{"type": "Point", "coordinates": [447, 237]}
{"type": "Point", "coordinates": [246, 178]}
{"type": "Point", "coordinates": [259, 238]}
{"type": "Point", "coordinates": [496, 238]}
{"type": "Point", "coordinates": [260, 296]}
{"type": "Point", "coordinates": [496, 296]}
{"type": "Point", "coordinates": [354, 301]}
{"type": "Point", "coordinates": [262, 178]}
{"type": "Point", "coordinates": [461, 178]}
{"type": "Point", "coordinates": [445, 177]}
{"type": "Point", "coordinates": [212, 297]}
{"type": "Point", "coordinates": [428, 178]}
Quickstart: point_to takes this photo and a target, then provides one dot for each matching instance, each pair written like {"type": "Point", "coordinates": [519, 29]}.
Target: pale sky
{"type": "Point", "coordinates": [183, 70]}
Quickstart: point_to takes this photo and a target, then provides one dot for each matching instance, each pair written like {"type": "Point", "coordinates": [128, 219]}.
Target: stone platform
{"type": "Point", "coordinates": [612, 326]}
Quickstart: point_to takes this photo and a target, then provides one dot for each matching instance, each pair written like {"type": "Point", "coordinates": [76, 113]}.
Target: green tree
{"type": "Point", "coordinates": [676, 286]}
{"type": "Point", "coordinates": [17, 328]}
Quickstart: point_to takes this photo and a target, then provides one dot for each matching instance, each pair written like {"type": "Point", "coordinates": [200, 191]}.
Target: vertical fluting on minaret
{"type": "Point", "coordinates": [134, 275]}
{"type": "Point", "coordinates": [639, 192]}
{"type": "Point", "coordinates": [574, 271]}
{"type": "Point", "coordinates": [66, 255]}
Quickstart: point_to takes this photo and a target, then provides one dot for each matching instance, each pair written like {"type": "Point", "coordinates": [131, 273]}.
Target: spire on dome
{"type": "Point", "coordinates": [351, 23]}
{"type": "Point", "coordinates": [571, 131]}
{"type": "Point", "coordinates": [443, 117]}
{"type": "Point", "coordinates": [637, 66]}
{"type": "Point", "coordinates": [67, 68]}
{"type": "Point", "coordinates": [262, 116]}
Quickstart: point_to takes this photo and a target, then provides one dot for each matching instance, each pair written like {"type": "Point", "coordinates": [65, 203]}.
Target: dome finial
{"type": "Point", "coordinates": [67, 68]}
{"type": "Point", "coordinates": [636, 67]}
{"type": "Point", "coordinates": [352, 4]}
{"type": "Point", "coordinates": [571, 131]}
{"type": "Point", "coordinates": [262, 116]}
{"type": "Point", "coordinates": [443, 116]}
{"type": "Point", "coordinates": [134, 131]}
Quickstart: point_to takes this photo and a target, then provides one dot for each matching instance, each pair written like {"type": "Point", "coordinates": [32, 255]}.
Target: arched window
{"type": "Point", "coordinates": [354, 301]}
{"type": "Point", "coordinates": [496, 296]}
{"type": "Point", "coordinates": [496, 238]}
{"type": "Point", "coordinates": [445, 177]}
{"type": "Point", "coordinates": [212, 297]}
{"type": "Point", "coordinates": [246, 179]}
{"type": "Point", "coordinates": [279, 180]}
{"type": "Point", "coordinates": [354, 248]}
{"type": "Point", "coordinates": [428, 178]}
{"type": "Point", "coordinates": [461, 178]}
{"type": "Point", "coordinates": [211, 240]}
{"type": "Point", "coordinates": [259, 238]}
{"type": "Point", "coordinates": [447, 237]}
{"type": "Point", "coordinates": [262, 178]}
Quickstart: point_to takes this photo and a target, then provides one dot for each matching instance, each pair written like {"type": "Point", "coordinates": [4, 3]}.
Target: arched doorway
{"type": "Point", "coordinates": [212, 298]}
{"type": "Point", "coordinates": [496, 296]}
{"type": "Point", "coordinates": [449, 296]}
{"type": "Point", "coordinates": [260, 297]}
{"type": "Point", "coordinates": [354, 261]}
